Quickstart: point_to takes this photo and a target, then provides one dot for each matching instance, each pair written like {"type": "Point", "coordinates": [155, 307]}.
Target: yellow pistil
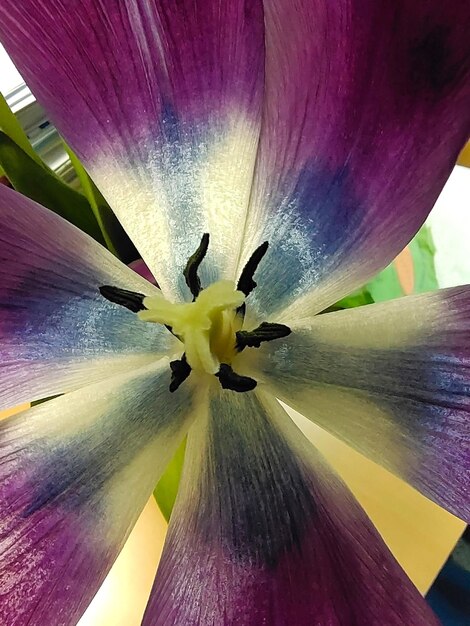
{"type": "Point", "coordinates": [206, 326]}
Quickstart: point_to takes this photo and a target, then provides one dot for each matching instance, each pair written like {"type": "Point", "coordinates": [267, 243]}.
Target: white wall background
{"type": "Point", "coordinates": [450, 226]}
{"type": "Point", "coordinates": [9, 75]}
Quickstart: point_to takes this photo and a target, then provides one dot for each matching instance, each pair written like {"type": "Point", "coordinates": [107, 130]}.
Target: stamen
{"type": "Point", "coordinates": [192, 266]}
{"type": "Point", "coordinates": [266, 331]}
{"type": "Point", "coordinates": [246, 284]}
{"type": "Point", "coordinates": [231, 380]}
{"type": "Point", "coordinates": [130, 299]}
{"type": "Point", "coordinates": [180, 370]}
{"type": "Point", "coordinates": [208, 325]}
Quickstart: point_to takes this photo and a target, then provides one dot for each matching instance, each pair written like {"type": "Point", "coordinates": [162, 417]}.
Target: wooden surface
{"type": "Point", "coordinates": [419, 533]}
{"type": "Point", "coordinates": [464, 157]}
{"type": "Point", "coordinates": [123, 596]}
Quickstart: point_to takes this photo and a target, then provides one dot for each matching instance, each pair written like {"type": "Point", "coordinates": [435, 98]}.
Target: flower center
{"type": "Point", "coordinates": [206, 326]}
{"type": "Point", "coordinates": [209, 327]}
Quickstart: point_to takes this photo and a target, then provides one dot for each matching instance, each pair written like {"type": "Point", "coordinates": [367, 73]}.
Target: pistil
{"type": "Point", "coordinates": [205, 326]}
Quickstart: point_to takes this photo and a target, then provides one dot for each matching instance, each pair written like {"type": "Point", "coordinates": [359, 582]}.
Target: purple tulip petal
{"type": "Point", "coordinates": [367, 105]}
{"type": "Point", "coordinates": [141, 268]}
{"type": "Point", "coordinates": [162, 102]}
{"type": "Point", "coordinates": [264, 533]}
{"type": "Point", "coordinates": [57, 332]}
{"type": "Point", "coordinates": [393, 381]}
{"type": "Point", "coordinates": [75, 473]}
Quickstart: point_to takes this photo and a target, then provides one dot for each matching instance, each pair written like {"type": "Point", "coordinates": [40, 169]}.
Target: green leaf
{"type": "Point", "coordinates": [11, 127]}
{"type": "Point", "coordinates": [115, 236]}
{"type": "Point", "coordinates": [104, 226]}
{"type": "Point", "coordinates": [42, 400]}
{"type": "Point", "coordinates": [386, 285]}
{"type": "Point", "coordinates": [423, 251]}
{"type": "Point", "coordinates": [41, 185]}
{"type": "Point", "coordinates": [89, 191]}
{"type": "Point", "coordinates": [358, 298]}
{"type": "Point", "coordinates": [167, 487]}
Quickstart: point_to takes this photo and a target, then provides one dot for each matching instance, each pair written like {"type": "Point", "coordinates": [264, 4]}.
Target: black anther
{"type": "Point", "coordinates": [130, 299]}
{"type": "Point", "coordinates": [231, 380]}
{"type": "Point", "coordinates": [246, 284]}
{"type": "Point", "coordinates": [192, 266]}
{"type": "Point", "coordinates": [266, 331]}
{"type": "Point", "coordinates": [180, 370]}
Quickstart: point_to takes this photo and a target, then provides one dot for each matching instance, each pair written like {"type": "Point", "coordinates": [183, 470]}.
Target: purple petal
{"type": "Point", "coordinates": [75, 472]}
{"type": "Point", "coordinates": [141, 268]}
{"type": "Point", "coordinates": [264, 533]}
{"type": "Point", "coordinates": [367, 105]}
{"type": "Point", "coordinates": [161, 100]}
{"type": "Point", "coordinates": [393, 381]}
{"type": "Point", "coordinates": [57, 332]}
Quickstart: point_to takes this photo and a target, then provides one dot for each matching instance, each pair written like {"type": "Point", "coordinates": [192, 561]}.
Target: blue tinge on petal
{"type": "Point", "coordinates": [348, 165]}
{"type": "Point", "coordinates": [162, 102]}
{"type": "Point", "coordinates": [56, 330]}
{"type": "Point", "coordinates": [393, 381]}
{"type": "Point", "coordinates": [264, 533]}
{"type": "Point", "coordinates": [299, 256]}
{"type": "Point", "coordinates": [75, 473]}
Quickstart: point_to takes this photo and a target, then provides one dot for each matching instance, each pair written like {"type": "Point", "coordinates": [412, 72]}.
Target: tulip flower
{"type": "Point", "coordinates": [266, 158]}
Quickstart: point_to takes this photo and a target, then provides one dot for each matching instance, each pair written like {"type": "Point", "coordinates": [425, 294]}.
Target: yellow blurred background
{"type": "Point", "coordinates": [464, 158]}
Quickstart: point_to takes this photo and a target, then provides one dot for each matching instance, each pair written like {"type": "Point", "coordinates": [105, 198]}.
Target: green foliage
{"type": "Point", "coordinates": [40, 184]}
{"type": "Point", "coordinates": [386, 285]}
{"type": "Point", "coordinates": [29, 175]}
{"type": "Point", "coordinates": [358, 298]}
{"type": "Point", "coordinates": [167, 487]}
{"type": "Point", "coordinates": [11, 127]}
{"type": "Point", "coordinates": [42, 400]}
{"type": "Point", "coordinates": [115, 236]}
{"type": "Point", "coordinates": [423, 251]}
